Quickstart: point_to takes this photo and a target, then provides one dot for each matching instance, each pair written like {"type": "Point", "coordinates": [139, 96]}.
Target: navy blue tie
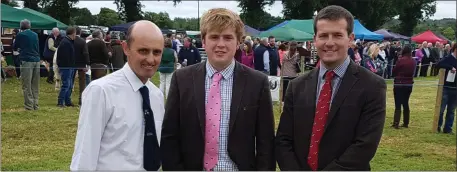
{"type": "Point", "coordinates": [151, 154]}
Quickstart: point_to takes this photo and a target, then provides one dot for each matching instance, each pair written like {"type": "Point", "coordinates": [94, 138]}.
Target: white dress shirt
{"type": "Point", "coordinates": [111, 124]}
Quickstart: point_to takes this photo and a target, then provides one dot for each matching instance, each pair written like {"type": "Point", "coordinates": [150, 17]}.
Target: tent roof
{"type": "Point", "coordinates": [287, 33]}
{"type": "Point", "coordinates": [251, 31]}
{"type": "Point", "coordinates": [385, 33]}
{"type": "Point", "coordinates": [301, 25]}
{"type": "Point", "coordinates": [122, 27]}
{"type": "Point", "coordinates": [363, 33]}
{"type": "Point", "coordinates": [390, 35]}
{"type": "Point", "coordinates": [12, 17]}
{"type": "Point", "coordinates": [308, 26]}
{"type": "Point", "coordinates": [400, 36]}
{"type": "Point", "coordinates": [428, 36]}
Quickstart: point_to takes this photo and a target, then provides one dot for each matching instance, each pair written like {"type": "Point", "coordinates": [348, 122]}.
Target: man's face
{"type": "Point", "coordinates": [221, 46]}
{"type": "Point", "coordinates": [187, 43]}
{"type": "Point", "coordinates": [293, 47]}
{"type": "Point", "coordinates": [332, 40]}
{"type": "Point", "coordinates": [56, 33]}
{"type": "Point", "coordinates": [272, 42]}
{"type": "Point", "coordinates": [144, 54]}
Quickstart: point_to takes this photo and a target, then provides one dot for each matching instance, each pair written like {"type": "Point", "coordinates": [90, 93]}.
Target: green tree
{"type": "Point", "coordinates": [253, 11]}
{"type": "Point", "coordinates": [60, 9]}
{"type": "Point", "coordinates": [108, 17]}
{"type": "Point", "coordinates": [32, 4]}
{"type": "Point", "coordinates": [449, 33]}
{"type": "Point", "coordinates": [129, 10]}
{"type": "Point", "coordinates": [162, 19]}
{"type": "Point", "coordinates": [298, 9]}
{"type": "Point", "coordinates": [12, 3]}
{"type": "Point", "coordinates": [185, 23]}
{"type": "Point", "coordinates": [371, 13]}
{"type": "Point", "coordinates": [82, 16]}
{"type": "Point", "coordinates": [411, 13]}
{"type": "Point", "coordinates": [266, 20]}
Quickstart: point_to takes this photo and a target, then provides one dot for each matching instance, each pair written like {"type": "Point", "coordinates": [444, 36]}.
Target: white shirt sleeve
{"type": "Point", "coordinates": [93, 118]}
{"type": "Point", "coordinates": [266, 61]}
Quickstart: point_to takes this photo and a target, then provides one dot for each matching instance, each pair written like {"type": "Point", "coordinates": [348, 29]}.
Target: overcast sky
{"type": "Point", "coordinates": [444, 9]}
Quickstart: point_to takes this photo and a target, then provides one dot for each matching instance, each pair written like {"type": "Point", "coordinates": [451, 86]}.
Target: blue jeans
{"type": "Point", "coordinates": [67, 86]}
{"type": "Point", "coordinates": [449, 101]}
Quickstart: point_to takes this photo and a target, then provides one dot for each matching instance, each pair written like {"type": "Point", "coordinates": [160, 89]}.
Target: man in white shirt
{"type": "Point", "coordinates": [119, 127]}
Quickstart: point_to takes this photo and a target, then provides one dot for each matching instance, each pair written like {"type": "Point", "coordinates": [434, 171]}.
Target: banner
{"type": "Point", "coordinates": [275, 87]}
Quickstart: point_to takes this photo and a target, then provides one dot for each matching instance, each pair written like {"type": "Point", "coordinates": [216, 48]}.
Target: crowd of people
{"type": "Point", "coordinates": [218, 113]}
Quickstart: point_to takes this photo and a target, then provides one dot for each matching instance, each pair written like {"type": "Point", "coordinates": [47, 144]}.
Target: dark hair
{"type": "Point", "coordinates": [270, 37]}
{"type": "Point", "coordinates": [282, 47]}
{"type": "Point", "coordinates": [168, 43]}
{"type": "Point", "coordinates": [334, 13]}
{"type": "Point", "coordinates": [249, 45]}
{"type": "Point", "coordinates": [454, 47]}
{"type": "Point", "coordinates": [96, 34]}
{"type": "Point", "coordinates": [71, 30]}
{"type": "Point", "coordinates": [406, 51]}
{"type": "Point", "coordinates": [169, 35]}
{"type": "Point", "coordinates": [78, 30]}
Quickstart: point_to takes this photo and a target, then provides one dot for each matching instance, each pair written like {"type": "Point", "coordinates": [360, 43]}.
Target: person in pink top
{"type": "Point", "coordinates": [247, 55]}
{"type": "Point", "coordinates": [418, 57]}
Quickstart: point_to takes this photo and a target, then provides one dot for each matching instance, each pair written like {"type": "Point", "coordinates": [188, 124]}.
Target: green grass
{"type": "Point", "coordinates": [44, 139]}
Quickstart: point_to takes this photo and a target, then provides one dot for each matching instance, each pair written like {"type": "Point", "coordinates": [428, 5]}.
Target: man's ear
{"type": "Point", "coordinates": [126, 48]}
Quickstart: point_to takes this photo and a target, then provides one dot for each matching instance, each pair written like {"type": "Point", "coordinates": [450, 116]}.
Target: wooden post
{"type": "Point", "coordinates": [439, 95]}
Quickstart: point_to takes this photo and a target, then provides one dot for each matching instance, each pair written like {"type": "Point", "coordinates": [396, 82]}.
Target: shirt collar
{"type": "Point", "coordinates": [226, 73]}
{"type": "Point", "coordinates": [134, 81]}
{"type": "Point", "coordinates": [339, 70]}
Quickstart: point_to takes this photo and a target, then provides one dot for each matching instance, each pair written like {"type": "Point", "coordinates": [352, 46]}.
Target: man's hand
{"type": "Point", "coordinates": [453, 70]}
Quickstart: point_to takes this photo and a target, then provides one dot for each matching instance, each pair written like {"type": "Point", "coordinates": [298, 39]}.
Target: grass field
{"type": "Point", "coordinates": [44, 139]}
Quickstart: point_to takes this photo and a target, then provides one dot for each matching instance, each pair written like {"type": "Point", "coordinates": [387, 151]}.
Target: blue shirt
{"type": "Point", "coordinates": [336, 81]}
{"type": "Point", "coordinates": [27, 43]}
{"type": "Point", "coordinates": [226, 85]}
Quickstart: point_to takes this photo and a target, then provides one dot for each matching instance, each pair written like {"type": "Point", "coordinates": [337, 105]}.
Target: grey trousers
{"type": "Point", "coordinates": [30, 74]}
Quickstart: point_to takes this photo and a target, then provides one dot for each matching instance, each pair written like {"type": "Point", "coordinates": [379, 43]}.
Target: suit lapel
{"type": "Point", "coordinates": [239, 85]}
{"type": "Point", "coordinates": [311, 89]}
{"type": "Point", "coordinates": [199, 93]}
{"type": "Point", "coordinates": [348, 81]}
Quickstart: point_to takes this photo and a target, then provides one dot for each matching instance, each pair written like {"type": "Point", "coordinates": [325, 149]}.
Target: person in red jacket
{"type": "Point", "coordinates": [403, 73]}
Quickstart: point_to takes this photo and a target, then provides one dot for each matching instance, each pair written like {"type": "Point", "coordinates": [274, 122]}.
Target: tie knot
{"type": "Point", "coordinates": [217, 77]}
{"type": "Point", "coordinates": [144, 92]}
{"type": "Point", "coordinates": [329, 75]}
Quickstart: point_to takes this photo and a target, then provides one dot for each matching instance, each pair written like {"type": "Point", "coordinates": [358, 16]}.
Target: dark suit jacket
{"type": "Point", "coordinates": [354, 125]}
{"type": "Point", "coordinates": [351, 54]}
{"type": "Point", "coordinates": [251, 129]}
{"type": "Point", "coordinates": [81, 52]}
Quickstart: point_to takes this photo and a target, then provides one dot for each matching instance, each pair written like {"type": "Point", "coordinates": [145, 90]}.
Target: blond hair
{"type": "Point", "coordinates": [372, 50]}
{"type": "Point", "coordinates": [219, 19]}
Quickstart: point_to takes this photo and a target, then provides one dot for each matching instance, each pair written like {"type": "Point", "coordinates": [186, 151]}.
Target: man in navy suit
{"type": "Point", "coordinates": [449, 99]}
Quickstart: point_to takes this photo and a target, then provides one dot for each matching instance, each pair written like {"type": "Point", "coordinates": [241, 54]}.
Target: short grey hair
{"type": "Point", "coordinates": [25, 24]}
{"type": "Point", "coordinates": [97, 34]}
{"type": "Point", "coordinates": [264, 40]}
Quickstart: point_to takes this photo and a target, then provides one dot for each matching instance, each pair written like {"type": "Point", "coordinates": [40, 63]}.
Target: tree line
{"type": "Point", "coordinates": [408, 16]}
